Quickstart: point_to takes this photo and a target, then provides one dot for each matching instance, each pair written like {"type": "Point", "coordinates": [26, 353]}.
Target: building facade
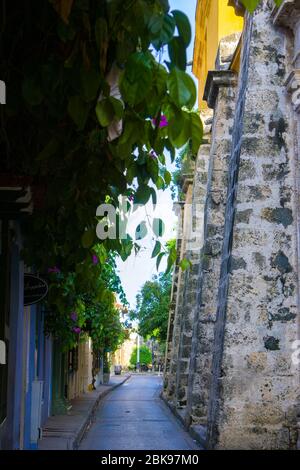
{"type": "Point", "coordinates": [26, 359]}
{"type": "Point", "coordinates": [232, 367]}
{"type": "Point", "coordinates": [123, 354]}
{"type": "Point", "coordinates": [37, 379]}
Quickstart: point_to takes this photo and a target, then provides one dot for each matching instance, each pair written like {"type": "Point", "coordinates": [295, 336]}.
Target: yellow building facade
{"type": "Point", "coordinates": [215, 19]}
{"type": "Point", "coordinates": [123, 354]}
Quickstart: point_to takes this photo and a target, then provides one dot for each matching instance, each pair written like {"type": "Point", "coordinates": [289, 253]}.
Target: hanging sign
{"type": "Point", "coordinates": [35, 289]}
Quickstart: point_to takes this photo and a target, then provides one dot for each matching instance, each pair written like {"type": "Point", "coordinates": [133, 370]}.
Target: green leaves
{"type": "Point", "coordinates": [131, 172]}
{"type": "Point", "coordinates": [32, 92]}
{"type": "Point", "coordinates": [171, 258]}
{"type": "Point", "coordinates": [141, 231]}
{"type": "Point", "coordinates": [142, 194]}
{"type": "Point", "coordinates": [126, 249]}
{"type": "Point", "coordinates": [177, 53]}
{"type": "Point", "coordinates": [159, 259]}
{"type": "Point", "coordinates": [160, 184]}
{"type": "Point", "coordinates": [179, 128]}
{"type": "Point", "coordinates": [185, 264]}
{"type": "Point", "coordinates": [105, 112]}
{"type": "Point", "coordinates": [145, 355]}
{"type": "Point", "coordinates": [78, 111]}
{"type": "Point", "coordinates": [164, 5]}
{"type": "Point", "coordinates": [88, 238]}
{"type": "Point", "coordinates": [154, 196]}
{"type": "Point", "coordinates": [136, 80]}
{"type": "Point", "coordinates": [102, 253]}
{"type": "Point", "coordinates": [101, 35]}
{"type": "Point", "coordinates": [152, 168]}
{"type": "Point", "coordinates": [196, 130]}
{"type": "Point", "coordinates": [108, 109]}
{"type": "Point", "coordinates": [182, 88]}
{"type": "Point", "coordinates": [101, 31]}
{"type": "Point", "coordinates": [158, 227]}
{"type": "Point", "coordinates": [156, 249]}
{"type": "Point", "coordinates": [251, 5]}
{"type": "Point", "coordinates": [178, 44]}
{"type": "Point", "coordinates": [162, 28]}
{"type": "Point", "coordinates": [186, 126]}
{"type": "Point", "coordinates": [90, 81]}
{"type": "Point", "coordinates": [167, 177]}
{"type": "Point", "coordinates": [183, 26]}
{"type": "Point", "coordinates": [67, 73]}
{"type": "Point", "coordinates": [50, 149]}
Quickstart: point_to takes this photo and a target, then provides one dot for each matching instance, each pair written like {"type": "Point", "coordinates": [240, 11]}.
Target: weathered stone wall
{"type": "Point", "coordinates": [254, 388]}
{"type": "Point", "coordinates": [193, 254]}
{"type": "Point", "coordinates": [222, 90]}
{"type": "Point", "coordinates": [238, 308]}
{"type": "Point", "coordinates": [175, 318]}
{"type": "Point", "coordinates": [173, 303]}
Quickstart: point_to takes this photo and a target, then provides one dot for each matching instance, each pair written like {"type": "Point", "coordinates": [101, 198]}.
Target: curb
{"type": "Point", "coordinates": [192, 430]}
{"type": "Point", "coordinates": [84, 428]}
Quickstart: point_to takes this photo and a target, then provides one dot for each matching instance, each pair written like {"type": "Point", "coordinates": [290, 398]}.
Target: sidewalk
{"type": "Point", "coordinates": [64, 432]}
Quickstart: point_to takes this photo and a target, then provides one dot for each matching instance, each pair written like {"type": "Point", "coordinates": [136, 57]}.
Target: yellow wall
{"type": "Point", "coordinates": [122, 355]}
{"type": "Point", "coordinates": [78, 381]}
{"type": "Point", "coordinates": [214, 20]}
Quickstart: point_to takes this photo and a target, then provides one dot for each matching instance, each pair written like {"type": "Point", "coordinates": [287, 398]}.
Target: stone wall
{"type": "Point", "coordinates": [178, 294]}
{"type": "Point", "coordinates": [222, 93]}
{"type": "Point", "coordinates": [238, 307]}
{"type": "Point", "coordinates": [193, 254]}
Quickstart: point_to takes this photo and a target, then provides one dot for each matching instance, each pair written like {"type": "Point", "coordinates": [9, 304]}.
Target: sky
{"type": "Point", "coordinates": [137, 269]}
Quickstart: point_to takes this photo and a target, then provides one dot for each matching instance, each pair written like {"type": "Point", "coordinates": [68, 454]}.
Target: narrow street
{"type": "Point", "coordinates": [133, 417]}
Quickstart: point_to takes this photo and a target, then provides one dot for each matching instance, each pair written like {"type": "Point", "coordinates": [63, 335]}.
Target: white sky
{"type": "Point", "coordinates": [137, 269]}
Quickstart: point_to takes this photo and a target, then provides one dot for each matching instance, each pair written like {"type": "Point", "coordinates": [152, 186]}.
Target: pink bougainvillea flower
{"type": "Point", "coordinates": [95, 259]}
{"type": "Point", "coordinates": [73, 316]}
{"type": "Point", "coordinates": [76, 330]}
{"type": "Point", "coordinates": [163, 122]}
{"type": "Point", "coordinates": [54, 269]}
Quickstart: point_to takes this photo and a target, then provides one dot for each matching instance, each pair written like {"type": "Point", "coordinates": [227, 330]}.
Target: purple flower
{"type": "Point", "coordinates": [131, 197]}
{"type": "Point", "coordinates": [54, 269]}
{"type": "Point", "coordinates": [162, 122]}
{"type": "Point", "coordinates": [152, 154]}
{"type": "Point", "coordinates": [95, 259]}
{"type": "Point", "coordinates": [76, 329]}
{"type": "Point", "coordinates": [73, 316]}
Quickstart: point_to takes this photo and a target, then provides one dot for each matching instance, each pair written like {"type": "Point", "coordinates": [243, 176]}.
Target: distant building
{"type": "Point", "coordinates": [123, 354]}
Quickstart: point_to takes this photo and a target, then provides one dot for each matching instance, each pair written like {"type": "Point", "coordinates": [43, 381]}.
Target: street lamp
{"type": "Point", "coordinates": [138, 354]}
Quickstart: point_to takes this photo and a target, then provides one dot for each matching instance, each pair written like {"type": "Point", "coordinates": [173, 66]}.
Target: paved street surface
{"type": "Point", "coordinates": [133, 417]}
{"type": "Point", "coordinates": [63, 432]}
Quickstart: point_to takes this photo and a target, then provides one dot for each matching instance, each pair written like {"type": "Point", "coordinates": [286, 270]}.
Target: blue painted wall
{"type": "Point", "coordinates": [15, 353]}
{"type": "Point", "coordinates": [44, 371]}
{"type": "Point", "coordinates": [31, 370]}
{"type": "Point", "coordinates": [37, 363]}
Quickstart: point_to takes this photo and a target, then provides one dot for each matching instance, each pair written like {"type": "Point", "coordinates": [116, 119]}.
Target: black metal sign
{"type": "Point", "coordinates": [35, 289]}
